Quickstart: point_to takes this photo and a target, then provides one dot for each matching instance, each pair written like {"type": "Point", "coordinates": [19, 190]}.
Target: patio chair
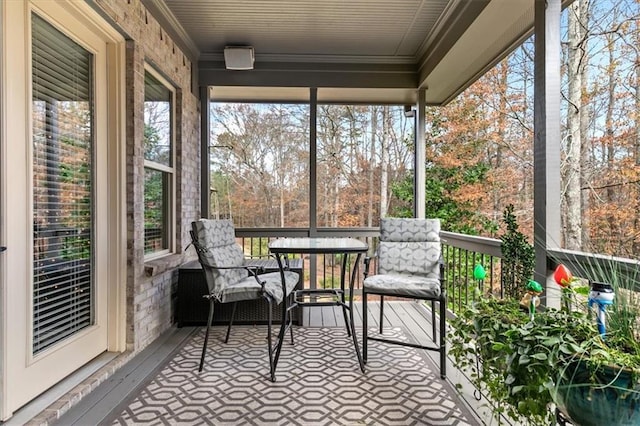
{"type": "Point", "coordinates": [231, 278]}
{"type": "Point", "coordinates": [409, 265]}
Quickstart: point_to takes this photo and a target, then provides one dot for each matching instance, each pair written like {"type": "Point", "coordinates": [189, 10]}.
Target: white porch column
{"type": "Point", "coordinates": [546, 144]}
{"type": "Point", "coordinates": [421, 157]}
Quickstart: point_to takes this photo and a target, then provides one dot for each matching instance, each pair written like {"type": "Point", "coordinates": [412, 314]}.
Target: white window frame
{"type": "Point", "coordinates": [171, 170]}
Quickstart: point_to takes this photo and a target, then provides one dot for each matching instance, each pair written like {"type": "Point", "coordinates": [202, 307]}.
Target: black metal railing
{"type": "Point", "coordinates": [320, 271]}
{"type": "Point", "coordinates": [461, 254]}
{"type": "Point", "coordinates": [597, 267]}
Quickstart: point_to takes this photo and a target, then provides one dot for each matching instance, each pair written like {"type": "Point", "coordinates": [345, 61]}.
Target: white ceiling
{"type": "Point", "coordinates": [352, 48]}
{"type": "Point", "coordinates": [311, 30]}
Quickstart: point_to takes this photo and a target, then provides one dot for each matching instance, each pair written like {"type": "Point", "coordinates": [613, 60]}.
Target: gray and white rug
{"type": "Point", "coordinates": [318, 383]}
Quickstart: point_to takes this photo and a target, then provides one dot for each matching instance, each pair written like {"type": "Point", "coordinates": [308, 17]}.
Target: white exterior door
{"type": "Point", "coordinates": [56, 290]}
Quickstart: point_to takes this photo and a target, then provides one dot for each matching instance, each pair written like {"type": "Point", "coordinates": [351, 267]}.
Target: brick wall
{"type": "Point", "coordinates": [151, 285]}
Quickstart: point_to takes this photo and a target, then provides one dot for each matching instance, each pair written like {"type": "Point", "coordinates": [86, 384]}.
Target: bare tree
{"type": "Point", "coordinates": [372, 159]}
{"type": "Point", "coordinates": [384, 163]}
{"type": "Point", "coordinates": [572, 172]}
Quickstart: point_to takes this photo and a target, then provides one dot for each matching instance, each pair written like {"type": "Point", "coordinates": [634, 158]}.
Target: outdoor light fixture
{"type": "Point", "coordinates": [238, 57]}
{"type": "Point", "coordinates": [409, 111]}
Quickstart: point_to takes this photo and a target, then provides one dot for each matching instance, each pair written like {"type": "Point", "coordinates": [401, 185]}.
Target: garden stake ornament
{"type": "Point", "coordinates": [479, 274]}
{"type": "Point", "coordinates": [564, 278]}
{"type": "Point", "coordinates": [601, 294]}
{"type": "Point", "coordinates": [533, 289]}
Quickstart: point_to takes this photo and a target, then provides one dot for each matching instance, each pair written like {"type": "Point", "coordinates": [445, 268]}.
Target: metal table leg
{"type": "Point", "coordinates": [351, 321]}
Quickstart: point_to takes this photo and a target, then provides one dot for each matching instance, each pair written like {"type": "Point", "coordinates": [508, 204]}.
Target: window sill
{"type": "Point", "coordinates": [162, 264]}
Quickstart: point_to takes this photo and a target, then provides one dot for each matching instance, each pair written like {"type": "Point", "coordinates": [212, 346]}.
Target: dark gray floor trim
{"type": "Point", "coordinates": [97, 406]}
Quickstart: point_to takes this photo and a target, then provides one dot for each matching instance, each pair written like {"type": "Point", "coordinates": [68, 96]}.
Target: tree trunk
{"type": "Point", "coordinates": [636, 241]}
{"type": "Point", "coordinates": [503, 73]}
{"type": "Point", "coordinates": [637, 87]}
{"type": "Point", "coordinates": [384, 166]}
{"type": "Point", "coordinates": [372, 162]}
{"type": "Point", "coordinates": [610, 131]}
{"type": "Point", "coordinates": [572, 171]}
{"type": "Point", "coordinates": [282, 206]}
{"type": "Point", "coordinates": [585, 151]}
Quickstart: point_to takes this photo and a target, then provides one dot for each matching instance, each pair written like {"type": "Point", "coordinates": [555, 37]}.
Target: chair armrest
{"type": "Point", "coordinates": [253, 270]}
{"type": "Point", "coordinates": [247, 267]}
{"type": "Point", "coordinates": [251, 261]}
{"type": "Point", "coordinates": [260, 256]}
{"type": "Point", "coordinates": [441, 265]}
{"type": "Point", "coordinates": [367, 262]}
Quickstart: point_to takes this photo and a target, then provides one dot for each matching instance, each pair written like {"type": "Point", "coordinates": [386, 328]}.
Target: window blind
{"type": "Point", "coordinates": [62, 112]}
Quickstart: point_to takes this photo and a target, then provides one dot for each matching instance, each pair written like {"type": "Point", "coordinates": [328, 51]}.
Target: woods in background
{"type": "Point", "coordinates": [479, 148]}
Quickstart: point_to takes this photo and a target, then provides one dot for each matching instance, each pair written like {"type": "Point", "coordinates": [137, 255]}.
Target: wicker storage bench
{"type": "Point", "coordinates": [192, 308]}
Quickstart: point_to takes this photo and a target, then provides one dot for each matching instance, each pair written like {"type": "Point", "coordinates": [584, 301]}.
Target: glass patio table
{"type": "Point", "coordinates": [320, 245]}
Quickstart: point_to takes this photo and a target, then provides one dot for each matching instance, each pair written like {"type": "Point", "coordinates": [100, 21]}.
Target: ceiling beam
{"type": "Point", "coordinates": [447, 33]}
{"type": "Point", "coordinates": [311, 75]}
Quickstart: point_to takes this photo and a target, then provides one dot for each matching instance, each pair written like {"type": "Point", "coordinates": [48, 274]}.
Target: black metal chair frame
{"type": "Point", "coordinates": [254, 271]}
{"type": "Point", "coordinates": [442, 302]}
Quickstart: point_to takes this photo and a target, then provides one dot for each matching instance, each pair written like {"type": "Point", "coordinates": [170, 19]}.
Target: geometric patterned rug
{"type": "Point", "coordinates": [318, 383]}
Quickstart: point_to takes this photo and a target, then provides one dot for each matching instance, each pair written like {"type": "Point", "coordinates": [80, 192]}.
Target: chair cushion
{"type": "Point", "coordinates": [409, 247]}
{"type": "Point", "coordinates": [217, 237]}
{"type": "Point", "coordinates": [409, 230]}
{"type": "Point", "coordinates": [409, 258]}
{"type": "Point", "coordinates": [248, 288]}
{"type": "Point", "coordinates": [221, 230]}
{"type": "Point", "coordinates": [403, 285]}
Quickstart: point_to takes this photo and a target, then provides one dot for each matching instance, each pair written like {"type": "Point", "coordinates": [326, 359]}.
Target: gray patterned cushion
{"type": "Point", "coordinates": [403, 229]}
{"type": "Point", "coordinates": [408, 256]}
{"type": "Point", "coordinates": [217, 237]}
{"type": "Point", "coordinates": [404, 285]}
{"type": "Point", "coordinates": [248, 288]}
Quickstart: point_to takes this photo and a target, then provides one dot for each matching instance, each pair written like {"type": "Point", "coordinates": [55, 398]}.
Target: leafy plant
{"type": "Point", "coordinates": [524, 365]}
{"type": "Point", "coordinates": [446, 193]}
{"type": "Point", "coordinates": [623, 316]}
{"type": "Point", "coordinates": [518, 257]}
{"type": "Point", "coordinates": [329, 282]}
{"type": "Point", "coordinates": [518, 358]}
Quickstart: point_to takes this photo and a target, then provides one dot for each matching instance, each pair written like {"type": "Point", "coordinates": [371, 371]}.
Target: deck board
{"type": "Point", "coordinates": [414, 320]}
{"type": "Point", "coordinates": [391, 317]}
{"type": "Point", "coordinates": [409, 315]}
{"type": "Point", "coordinates": [329, 316]}
{"type": "Point", "coordinates": [373, 314]}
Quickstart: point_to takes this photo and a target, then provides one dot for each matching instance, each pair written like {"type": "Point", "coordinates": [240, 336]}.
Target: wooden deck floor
{"type": "Point", "coordinates": [410, 315]}
{"type": "Point", "coordinates": [413, 317]}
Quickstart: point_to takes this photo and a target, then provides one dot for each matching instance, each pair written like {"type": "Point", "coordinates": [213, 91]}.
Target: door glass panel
{"type": "Point", "coordinates": [62, 81]}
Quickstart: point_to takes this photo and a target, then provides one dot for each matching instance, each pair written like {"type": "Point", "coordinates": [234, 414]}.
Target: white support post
{"type": "Point", "coordinates": [421, 157]}
{"type": "Point", "coordinates": [546, 145]}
